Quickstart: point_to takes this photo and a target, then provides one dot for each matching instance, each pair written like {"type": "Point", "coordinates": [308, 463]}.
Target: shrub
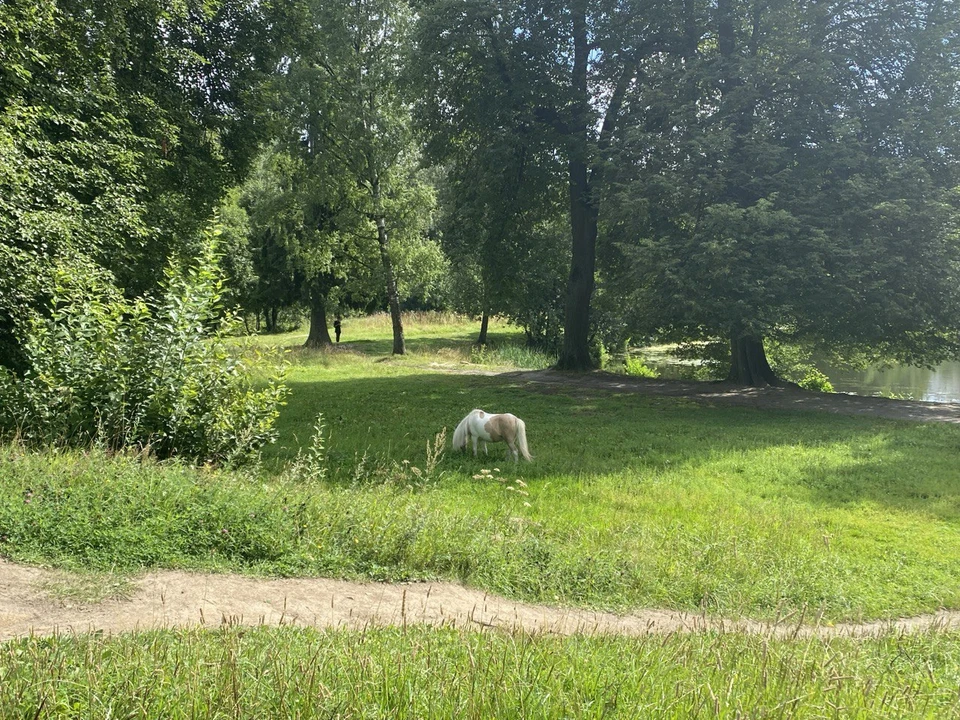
{"type": "Point", "coordinates": [599, 355]}
{"type": "Point", "coordinates": [816, 380]}
{"type": "Point", "coordinates": [155, 374]}
{"type": "Point", "coordinates": [635, 366]}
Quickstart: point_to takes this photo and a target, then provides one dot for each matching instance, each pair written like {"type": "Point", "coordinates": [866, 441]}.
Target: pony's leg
{"type": "Point", "coordinates": [512, 452]}
{"type": "Point", "coordinates": [474, 445]}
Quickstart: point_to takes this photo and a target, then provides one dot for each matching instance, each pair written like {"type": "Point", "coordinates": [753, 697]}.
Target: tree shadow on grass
{"type": "Point", "coordinates": [587, 433]}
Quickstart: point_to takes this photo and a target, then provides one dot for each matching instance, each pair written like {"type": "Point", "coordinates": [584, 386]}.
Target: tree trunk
{"type": "Point", "coordinates": [484, 324]}
{"type": "Point", "coordinates": [748, 362]}
{"type": "Point", "coordinates": [319, 335]}
{"type": "Point", "coordinates": [393, 297]}
{"type": "Point", "coordinates": [575, 354]}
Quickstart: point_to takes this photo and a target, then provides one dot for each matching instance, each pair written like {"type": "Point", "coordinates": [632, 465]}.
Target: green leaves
{"type": "Point", "coordinates": [155, 373]}
{"type": "Point", "coordinates": [775, 184]}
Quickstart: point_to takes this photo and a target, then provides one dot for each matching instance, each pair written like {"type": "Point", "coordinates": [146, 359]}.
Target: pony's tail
{"type": "Point", "coordinates": [460, 435]}
{"type": "Point", "coordinates": [522, 440]}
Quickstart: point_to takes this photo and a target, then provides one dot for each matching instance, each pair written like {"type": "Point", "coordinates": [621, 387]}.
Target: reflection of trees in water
{"type": "Point", "coordinates": [944, 383]}
{"type": "Point", "coordinates": [939, 385]}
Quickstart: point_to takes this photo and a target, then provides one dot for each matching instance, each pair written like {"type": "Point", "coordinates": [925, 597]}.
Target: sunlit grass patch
{"type": "Point", "coordinates": [418, 672]}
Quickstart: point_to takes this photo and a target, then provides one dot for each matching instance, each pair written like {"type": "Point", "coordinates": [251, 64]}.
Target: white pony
{"type": "Point", "coordinates": [480, 425]}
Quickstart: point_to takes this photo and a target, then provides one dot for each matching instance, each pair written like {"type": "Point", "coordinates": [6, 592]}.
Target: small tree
{"type": "Point", "coordinates": [347, 115]}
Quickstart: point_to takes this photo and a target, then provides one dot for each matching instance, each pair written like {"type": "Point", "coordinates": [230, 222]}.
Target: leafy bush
{"type": "Point", "coordinates": [816, 380]}
{"type": "Point", "coordinates": [599, 355]}
{"type": "Point", "coordinates": [155, 374]}
{"type": "Point", "coordinates": [638, 368]}
{"type": "Point", "coordinates": [635, 366]}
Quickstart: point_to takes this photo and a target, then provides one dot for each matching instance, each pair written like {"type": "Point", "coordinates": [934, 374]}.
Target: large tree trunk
{"type": "Point", "coordinates": [484, 325]}
{"type": "Point", "coordinates": [319, 335]}
{"type": "Point", "coordinates": [575, 354]}
{"type": "Point", "coordinates": [393, 297]}
{"type": "Point", "coordinates": [748, 362]}
{"type": "Point", "coordinates": [584, 211]}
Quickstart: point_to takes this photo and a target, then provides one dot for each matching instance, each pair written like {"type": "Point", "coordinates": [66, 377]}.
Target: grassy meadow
{"type": "Point", "coordinates": [631, 502]}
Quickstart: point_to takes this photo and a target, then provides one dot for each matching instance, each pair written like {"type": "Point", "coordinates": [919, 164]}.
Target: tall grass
{"type": "Point", "coordinates": [426, 673]}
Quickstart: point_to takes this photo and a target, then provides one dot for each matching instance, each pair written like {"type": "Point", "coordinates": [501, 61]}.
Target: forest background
{"type": "Point", "coordinates": [728, 176]}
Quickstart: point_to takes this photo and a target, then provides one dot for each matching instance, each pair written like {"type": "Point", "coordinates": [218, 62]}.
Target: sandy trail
{"type": "Point", "coordinates": [181, 599]}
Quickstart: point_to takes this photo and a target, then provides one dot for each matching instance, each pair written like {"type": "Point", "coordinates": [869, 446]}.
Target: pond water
{"type": "Point", "coordinates": [942, 384]}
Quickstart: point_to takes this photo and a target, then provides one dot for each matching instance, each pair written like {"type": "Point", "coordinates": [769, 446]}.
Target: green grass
{"type": "Point", "coordinates": [429, 673]}
{"type": "Point", "coordinates": [631, 501]}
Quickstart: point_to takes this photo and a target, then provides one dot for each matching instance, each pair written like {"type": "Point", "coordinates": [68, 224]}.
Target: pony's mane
{"type": "Point", "coordinates": [460, 434]}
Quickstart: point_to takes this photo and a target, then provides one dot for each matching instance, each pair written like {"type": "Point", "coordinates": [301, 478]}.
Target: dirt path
{"type": "Point", "coordinates": [177, 599]}
{"type": "Point", "coordinates": [720, 393]}
{"type": "Point", "coordinates": [171, 599]}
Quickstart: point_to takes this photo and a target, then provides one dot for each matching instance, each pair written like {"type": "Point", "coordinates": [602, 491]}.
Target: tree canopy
{"type": "Point", "coordinates": [796, 179]}
{"type": "Point", "coordinates": [121, 124]}
{"type": "Point", "coordinates": [729, 171]}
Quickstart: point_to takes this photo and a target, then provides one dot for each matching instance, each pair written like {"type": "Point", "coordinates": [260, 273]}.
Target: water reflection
{"type": "Point", "coordinates": [942, 384]}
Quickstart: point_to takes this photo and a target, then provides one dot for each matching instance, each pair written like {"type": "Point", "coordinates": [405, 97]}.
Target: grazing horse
{"type": "Point", "coordinates": [480, 425]}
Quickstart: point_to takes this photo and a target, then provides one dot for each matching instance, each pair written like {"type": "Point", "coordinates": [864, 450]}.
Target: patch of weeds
{"type": "Point", "coordinates": [479, 354]}
{"type": "Point", "coordinates": [311, 463]}
{"type": "Point", "coordinates": [86, 588]}
{"type": "Point", "coordinates": [511, 355]}
{"type": "Point", "coordinates": [635, 366]}
{"type": "Point", "coordinates": [403, 473]}
{"type": "Point", "coordinates": [514, 485]}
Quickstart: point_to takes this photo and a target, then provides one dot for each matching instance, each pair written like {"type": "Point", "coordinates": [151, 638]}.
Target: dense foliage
{"type": "Point", "coordinates": [147, 374]}
{"type": "Point", "coordinates": [120, 126]}
{"type": "Point", "coordinates": [795, 179]}
{"type": "Point", "coordinates": [728, 171]}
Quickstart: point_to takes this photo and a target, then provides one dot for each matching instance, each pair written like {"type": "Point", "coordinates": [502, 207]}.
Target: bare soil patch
{"type": "Point", "coordinates": [722, 393]}
{"type": "Point", "coordinates": [177, 599]}
{"type": "Point", "coordinates": [169, 599]}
